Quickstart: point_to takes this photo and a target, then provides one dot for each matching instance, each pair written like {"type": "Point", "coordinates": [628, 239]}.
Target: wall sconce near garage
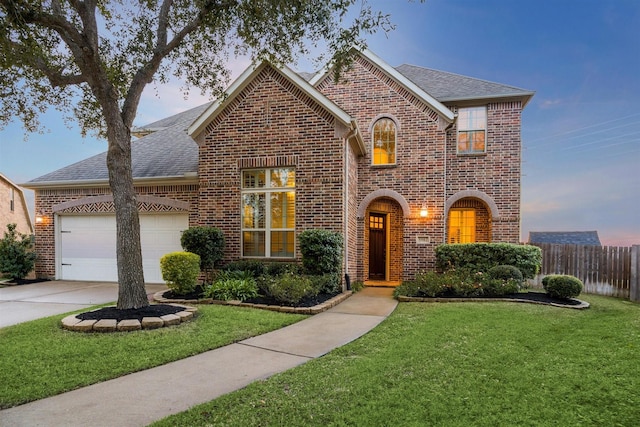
{"type": "Point", "coordinates": [40, 218]}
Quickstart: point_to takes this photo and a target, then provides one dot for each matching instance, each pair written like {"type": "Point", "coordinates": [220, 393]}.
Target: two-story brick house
{"type": "Point", "coordinates": [398, 160]}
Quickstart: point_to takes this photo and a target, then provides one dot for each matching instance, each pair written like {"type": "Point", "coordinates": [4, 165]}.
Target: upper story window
{"type": "Point", "coordinates": [472, 130]}
{"type": "Point", "coordinates": [12, 199]}
{"type": "Point", "coordinates": [268, 213]}
{"type": "Point", "coordinates": [384, 142]}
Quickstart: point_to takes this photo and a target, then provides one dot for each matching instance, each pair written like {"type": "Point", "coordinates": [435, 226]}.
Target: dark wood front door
{"type": "Point", "coordinates": [377, 246]}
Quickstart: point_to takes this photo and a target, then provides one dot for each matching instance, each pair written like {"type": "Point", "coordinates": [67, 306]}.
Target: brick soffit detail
{"type": "Point", "coordinates": [104, 204]}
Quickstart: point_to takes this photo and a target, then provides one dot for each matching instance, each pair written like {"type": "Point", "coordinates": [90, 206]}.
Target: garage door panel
{"type": "Point", "coordinates": [88, 245]}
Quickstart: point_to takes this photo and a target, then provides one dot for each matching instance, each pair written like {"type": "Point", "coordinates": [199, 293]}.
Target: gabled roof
{"type": "Point", "coordinates": [245, 78]}
{"type": "Point", "coordinates": [436, 105]}
{"type": "Point", "coordinates": [166, 153]}
{"type": "Point", "coordinates": [565, 237]}
{"type": "Point", "coordinates": [449, 87]}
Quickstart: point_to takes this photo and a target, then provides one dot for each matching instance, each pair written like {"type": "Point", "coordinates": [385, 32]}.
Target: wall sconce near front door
{"type": "Point", "coordinates": [424, 212]}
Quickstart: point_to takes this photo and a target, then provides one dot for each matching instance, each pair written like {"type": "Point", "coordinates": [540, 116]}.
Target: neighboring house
{"type": "Point", "coordinates": [398, 160]}
{"type": "Point", "coordinates": [13, 207]}
{"type": "Point", "coordinates": [589, 238]}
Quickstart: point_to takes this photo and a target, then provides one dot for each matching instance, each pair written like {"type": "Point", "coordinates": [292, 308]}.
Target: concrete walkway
{"type": "Point", "coordinates": [143, 397]}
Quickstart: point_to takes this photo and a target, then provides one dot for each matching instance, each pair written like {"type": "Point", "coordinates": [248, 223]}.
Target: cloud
{"type": "Point", "coordinates": [550, 103]}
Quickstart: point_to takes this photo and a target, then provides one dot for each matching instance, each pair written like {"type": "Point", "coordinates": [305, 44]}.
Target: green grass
{"type": "Point", "coordinates": [458, 364]}
{"type": "Point", "coordinates": [39, 359]}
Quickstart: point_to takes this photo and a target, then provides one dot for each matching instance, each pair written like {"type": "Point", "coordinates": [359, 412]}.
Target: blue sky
{"type": "Point", "coordinates": [581, 131]}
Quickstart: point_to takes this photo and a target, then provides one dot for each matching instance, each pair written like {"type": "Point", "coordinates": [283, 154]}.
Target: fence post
{"type": "Point", "coordinates": [634, 283]}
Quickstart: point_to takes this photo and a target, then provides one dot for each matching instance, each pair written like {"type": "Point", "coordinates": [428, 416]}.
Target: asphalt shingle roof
{"type": "Point", "coordinates": [565, 237]}
{"type": "Point", "coordinates": [447, 87]}
{"type": "Point", "coordinates": [167, 152]}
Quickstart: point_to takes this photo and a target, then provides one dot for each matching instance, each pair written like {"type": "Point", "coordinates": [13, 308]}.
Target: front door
{"type": "Point", "coordinates": [377, 246]}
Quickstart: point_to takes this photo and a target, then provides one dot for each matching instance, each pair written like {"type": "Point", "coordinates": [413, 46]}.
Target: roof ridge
{"type": "Point", "coordinates": [464, 76]}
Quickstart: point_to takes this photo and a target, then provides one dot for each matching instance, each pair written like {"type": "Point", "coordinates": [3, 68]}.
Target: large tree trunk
{"type": "Point", "coordinates": [131, 291]}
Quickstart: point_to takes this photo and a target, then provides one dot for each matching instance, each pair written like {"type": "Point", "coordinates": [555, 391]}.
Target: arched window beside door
{"type": "Point", "coordinates": [469, 221]}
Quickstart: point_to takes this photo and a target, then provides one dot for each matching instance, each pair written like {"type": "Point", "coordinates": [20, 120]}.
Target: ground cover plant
{"type": "Point", "coordinates": [458, 364]}
{"type": "Point", "coordinates": [39, 359]}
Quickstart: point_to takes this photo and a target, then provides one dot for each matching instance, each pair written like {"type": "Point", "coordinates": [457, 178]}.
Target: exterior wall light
{"type": "Point", "coordinates": [40, 218]}
{"type": "Point", "coordinates": [424, 212]}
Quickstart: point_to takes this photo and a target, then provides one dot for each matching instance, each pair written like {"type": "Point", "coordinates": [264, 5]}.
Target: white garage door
{"type": "Point", "coordinates": [88, 245]}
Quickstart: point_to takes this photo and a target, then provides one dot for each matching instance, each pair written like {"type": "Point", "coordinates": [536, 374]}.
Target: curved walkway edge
{"type": "Point", "coordinates": [143, 397]}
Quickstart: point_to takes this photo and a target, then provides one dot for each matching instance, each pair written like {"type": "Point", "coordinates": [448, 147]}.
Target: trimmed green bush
{"type": "Point", "coordinates": [17, 257]}
{"type": "Point", "coordinates": [208, 243]}
{"type": "Point", "coordinates": [484, 256]}
{"type": "Point", "coordinates": [289, 288]}
{"type": "Point", "coordinates": [454, 283]}
{"type": "Point", "coordinates": [180, 270]}
{"type": "Point", "coordinates": [260, 268]}
{"type": "Point", "coordinates": [326, 283]}
{"type": "Point", "coordinates": [506, 272]}
{"type": "Point", "coordinates": [562, 286]}
{"type": "Point", "coordinates": [233, 286]}
{"type": "Point", "coordinates": [321, 251]}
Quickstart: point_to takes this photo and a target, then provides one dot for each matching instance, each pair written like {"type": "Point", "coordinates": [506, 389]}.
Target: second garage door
{"type": "Point", "coordinates": [87, 245]}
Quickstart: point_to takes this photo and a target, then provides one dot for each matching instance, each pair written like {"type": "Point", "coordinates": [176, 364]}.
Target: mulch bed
{"type": "Point", "coordinates": [534, 297]}
{"type": "Point", "coordinates": [17, 282]}
{"type": "Point", "coordinates": [306, 302]}
{"type": "Point", "coordinates": [156, 310]}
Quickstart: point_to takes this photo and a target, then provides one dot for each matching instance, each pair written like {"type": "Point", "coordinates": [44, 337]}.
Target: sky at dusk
{"type": "Point", "coordinates": [580, 132]}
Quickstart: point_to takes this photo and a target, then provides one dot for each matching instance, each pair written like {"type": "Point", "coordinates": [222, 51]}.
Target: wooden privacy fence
{"type": "Point", "coordinates": [604, 270]}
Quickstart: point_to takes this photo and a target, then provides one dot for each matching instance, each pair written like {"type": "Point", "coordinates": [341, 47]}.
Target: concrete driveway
{"type": "Point", "coordinates": [29, 302]}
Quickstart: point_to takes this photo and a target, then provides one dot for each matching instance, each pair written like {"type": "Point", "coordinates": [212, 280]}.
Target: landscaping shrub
{"type": "Point", "coordinates": [454, 283]}
{"type": "Point", "coordinates": [321, 251]}
{"type": "Point", "coordinates": [208, 243]}
{"type": "Point", "coordinates": [506, 272]}
{"type": "Point", "coordinates": [235, 285]}
{"type": "Point", "coordinates": [562, 286]}
{"type": "Point", "coordinates": [289, 288]}
{"type": "Point", "coordinates": [256, 268]}
{"type": "Point", "coordinates": [17, 257]}
{"type": "Point", "coordinates": [484, 256]}
{"type": "Point", "coordinates": [326, 283]}
{"type": "Point", "coordinates": [180, 270]}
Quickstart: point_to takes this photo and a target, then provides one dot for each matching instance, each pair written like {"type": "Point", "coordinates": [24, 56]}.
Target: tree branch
{"type": "Point", "coordinates": [163, 48]}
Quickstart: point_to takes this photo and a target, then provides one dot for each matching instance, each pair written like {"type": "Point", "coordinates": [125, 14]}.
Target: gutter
{"type": "Point", "coordinates": [188, 177]}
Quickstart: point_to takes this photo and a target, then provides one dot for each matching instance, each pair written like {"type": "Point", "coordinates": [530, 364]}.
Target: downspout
{"type": "Point", "coordinates": [352, 133]}
{"type": "Point", "coordinates": [444, 202]}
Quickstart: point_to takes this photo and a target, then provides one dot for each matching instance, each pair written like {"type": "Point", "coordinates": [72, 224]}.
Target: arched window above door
{"type": "Point", "coordinates": [384, 142]}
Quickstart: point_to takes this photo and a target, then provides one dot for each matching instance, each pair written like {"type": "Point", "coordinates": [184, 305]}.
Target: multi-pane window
{"type": "Point", "coordinates": [268, 213]}
{"type": "Point", "coordinates": [462, 226]}
{"type": "Point", "coordinates": [384, 142]}
{"type": "Point", "coordinates": [472, 130]}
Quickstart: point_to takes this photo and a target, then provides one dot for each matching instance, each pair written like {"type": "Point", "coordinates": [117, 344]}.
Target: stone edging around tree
{"type": "Point", "coordinates": [158, 296]}
{"type": "Point", "coordinates": [583, 304]}
{"type": "Point", "coordinates": [72, 323]}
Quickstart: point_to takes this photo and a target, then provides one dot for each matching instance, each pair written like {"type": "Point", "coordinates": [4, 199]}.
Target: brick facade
{"type": "Point", "coordinates": [272, 121]}
{"type": "Point", "coordinates": [88, 201]}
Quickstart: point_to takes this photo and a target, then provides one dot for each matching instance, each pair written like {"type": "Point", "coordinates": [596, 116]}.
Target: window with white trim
{"type": "Point", "coordinates": [384, 142]}
{"type": "Point", "coordinates": [12, 199]}
{"type": "Point", "coordinates": [268, 213]}
{"type": "Point", "coordinates": [472, 130]}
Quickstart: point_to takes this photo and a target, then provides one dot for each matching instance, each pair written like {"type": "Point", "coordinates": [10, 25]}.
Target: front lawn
{"type": "Point", "coordinates": [458, 364]}
{"type": "Point", "coordinates": [39, 359]}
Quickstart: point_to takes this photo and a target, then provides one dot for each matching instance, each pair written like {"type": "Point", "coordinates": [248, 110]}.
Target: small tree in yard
{"type": "Point", "coordinates": [92, 59]}
{"type": "Point", "coordinates": [17, 257]}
